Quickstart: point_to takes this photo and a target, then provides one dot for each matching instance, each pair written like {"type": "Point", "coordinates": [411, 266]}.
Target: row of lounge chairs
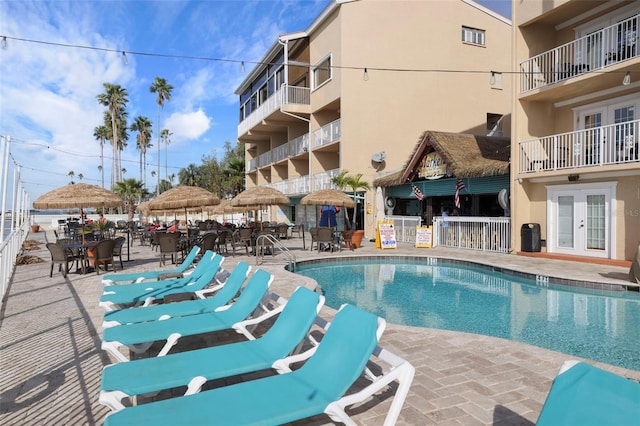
{"type": "Point", "coordinates": [239, 300]}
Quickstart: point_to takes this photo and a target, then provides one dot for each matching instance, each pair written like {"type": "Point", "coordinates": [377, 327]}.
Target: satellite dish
{"type": "Point", "coordinates": [379, 157]}
{"type": "Point", "coordinates": [503, 200]}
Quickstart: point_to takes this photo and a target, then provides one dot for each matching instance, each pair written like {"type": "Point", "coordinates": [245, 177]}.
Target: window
{"type": "Point", "coordinates": [322, 72]}
{"type": "Point", "coordinates": [473, 36]}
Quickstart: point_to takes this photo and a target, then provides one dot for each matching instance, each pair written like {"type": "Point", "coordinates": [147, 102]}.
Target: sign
{"type": "Point", "coordinates": [432, 166]}
{"type": "Point", "coordinates": [424, 236]}
{"type": "Point", "coordinates": [386, 235]}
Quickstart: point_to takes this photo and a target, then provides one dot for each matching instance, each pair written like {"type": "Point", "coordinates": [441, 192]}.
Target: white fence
{"type": "Point", "coordinates": [405, 227]}
{"type": "Point", "coordinates": [476, 233]}
{"type": "Point", "coordinates": [9, 249]}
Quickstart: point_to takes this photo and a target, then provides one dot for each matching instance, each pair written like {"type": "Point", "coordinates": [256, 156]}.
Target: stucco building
{"type": "Point", "coordinates": [358, 87]}
{"type": "Point", "coordinates": [575, 165]}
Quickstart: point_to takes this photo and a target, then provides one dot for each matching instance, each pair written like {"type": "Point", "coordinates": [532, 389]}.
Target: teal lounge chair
{"type": "Point", "coordinates": [319, 386]}
{"type": "Point", "coordinates": [140, 336]}
{"type": "Point", "coordinates": [110, 279]}
{"type": "Point", "coordinates": [194, 368]}
{"type": "Point", "coordinates": [123, 296]}
{"type": "Point", "coordinates": [190, 307]}
{"type": "Point", "coordinates": [584, 395]}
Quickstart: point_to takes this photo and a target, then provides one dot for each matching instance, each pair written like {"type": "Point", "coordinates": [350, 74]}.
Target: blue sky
{"type": "Point", "coordinates": [48, 93]}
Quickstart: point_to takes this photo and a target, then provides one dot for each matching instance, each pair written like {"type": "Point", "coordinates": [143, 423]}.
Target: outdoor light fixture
{"type": "Point", "coordinates": [125, 60]}
{"type": "Point", "coordinates": [4, 43]}
{"type": "Point", "coordinates": [574, 178]}
{"type": "Point", "coordinates": [492, 80]}
{"type": "Point", "coordinates": [365, 76]}
{"type": "Point", "coordinates": [242, 66]}
{"type": "Point", "coordinates": [627, 79]}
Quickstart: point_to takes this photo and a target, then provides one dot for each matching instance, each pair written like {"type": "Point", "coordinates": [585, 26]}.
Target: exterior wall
{"type": "Point", "coordinates": [554, 110]}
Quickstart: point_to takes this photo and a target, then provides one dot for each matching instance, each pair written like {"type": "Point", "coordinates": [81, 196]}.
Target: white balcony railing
{"type": "Point", "coordinates": [264, 159]}
{"type": "Point", "coordinates": [285, 95]}
{"type": "Point", "coordinates": [280, 152]}
{"type": "Point", "coordinates": [595, 51]}
{"type": "Point", "coordinates": [476, 233]}
{"type": "Point", "coordinates": [253, 165]}
{"type": "Point", "coordinates": [328, 133]}
{"type": "Point", "coordinates": [299, 145]}
{"type": "Point", "coordinates": [300, 185]}
{"type": "Point", "coordinates": [282, 186]}
{"type": "Point", "coordinates": [323, 180]}
{"type": "Point", "coordinates": [613, 144]}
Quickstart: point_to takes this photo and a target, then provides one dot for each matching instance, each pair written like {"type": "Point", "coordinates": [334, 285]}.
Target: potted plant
{"type": "Point", "coordinates": [342, 181]}
{"type": "Point", "coordinates": [35, 227]}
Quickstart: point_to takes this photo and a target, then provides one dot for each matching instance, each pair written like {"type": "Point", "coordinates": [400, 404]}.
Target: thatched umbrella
{"type": "Point", "coordinates": [328, 197]}
{"type": "Point", "coordinates": [183, 197]}
{"type": "Point", "coordinates": [260, 197]}
{"type": "Point", "coordinates": [79, 195]}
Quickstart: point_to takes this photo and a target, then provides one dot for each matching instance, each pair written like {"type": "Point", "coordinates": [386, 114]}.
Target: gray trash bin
{"type": "Point", "coordinates": [530, 237]}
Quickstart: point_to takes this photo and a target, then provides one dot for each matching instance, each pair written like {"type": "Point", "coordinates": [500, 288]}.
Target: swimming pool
{"type": "Point", "coordinates": [434, 293]}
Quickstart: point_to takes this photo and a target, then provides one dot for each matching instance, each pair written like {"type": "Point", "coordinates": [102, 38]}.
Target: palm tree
{"type": "Point", "coordinates": [130, 190]}
{"type": "Point", "coordinates": [143, 126]}
{"type": "Point", "coordinates": [80, 176]}
{"type": "Point", "coordinates": [355, 182]}
{"type": "Point", "coordinates": [165, 137]}
{"type": "Point", "coordinates": [189, 175]}
{"type": "Point", "coordinates": [163, 90]}
{"type": "Point", "coordinates": [71, 174]}
{"type": "Point", "coordinates": [101, 133]}
{"type": "Point", "coordinates": [115, 98]}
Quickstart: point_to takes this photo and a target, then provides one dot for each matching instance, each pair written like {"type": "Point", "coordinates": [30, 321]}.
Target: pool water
{"type": "Point", "coordinates": [599, 325]}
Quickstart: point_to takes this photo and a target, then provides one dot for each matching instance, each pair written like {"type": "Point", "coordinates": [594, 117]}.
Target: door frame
{"type": "Point", "coordinates": [609, 188]}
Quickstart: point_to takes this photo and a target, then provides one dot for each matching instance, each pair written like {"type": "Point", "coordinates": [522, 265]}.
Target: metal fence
{"type": "Point", "coordinates": [9, 249]}
{"type": "Point", "coordinates": [405, 227]}
{"type": "Point", "coordinates": [476, 233]}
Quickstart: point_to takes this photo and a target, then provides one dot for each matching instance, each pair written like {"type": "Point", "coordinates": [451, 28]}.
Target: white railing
{"type": "Point", "coordinates": [280, 152]}
{"type": "Point", "coordinates": [282, 186]}
{"type": "Point", "coordinates": [595, 51]}
{"type": "Point", "coordinates": [323, 180]}
{"type": "Point", "coordinates": [300, 185]}
{"type": "Point", "coordinates": [476, 233]}
{"type": "Point", "coordinates": [285, 95]}
{"type": "Point", "coordinates": [299, 145]}
{"type": "Point", "coordinates": [327, 134]}
{"type": "Point", "coordinates": [264, 159]}
{"type": "Point", "coordinates": [405, 227]}
{"type": "Point", "coordinates": [253, 165]}
{"type": "Point", "coordinates": [613, 144]}
{"type": "Point", "coordinates": [9, 249]}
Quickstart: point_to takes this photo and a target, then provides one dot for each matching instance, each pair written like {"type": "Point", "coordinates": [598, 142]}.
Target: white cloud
{"type": "Point", "coordinates": [187, 126]}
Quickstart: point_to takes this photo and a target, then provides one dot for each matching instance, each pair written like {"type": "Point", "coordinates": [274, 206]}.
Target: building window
{"type": "Point", "coordinates": [473, 36]}
{"type": "Point", "coordinates": [322, 72]}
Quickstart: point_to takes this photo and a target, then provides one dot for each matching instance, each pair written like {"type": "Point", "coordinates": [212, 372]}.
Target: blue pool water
{"type": "Point", "coordinates": [597, 325]}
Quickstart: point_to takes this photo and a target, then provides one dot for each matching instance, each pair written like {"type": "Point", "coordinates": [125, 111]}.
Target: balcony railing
{"type": "Point", "coordinates": [613, 144]}
{"type": "Point", "coordinates": [285, 95]}
{"type": "Point", "coordinates": [595, 51]}
{"type": "Point", "coordinates": [253, 165]}
{"type": "Point", "coordinates": [282, 186]}
{"type": "Point", "coordinates": [326, 134]}
{"type": "Point", "coordinates": [323, 180]}
{"type": "Point", "coordinates": [299, 145]}
{"type": "Point", "coordinates": [280, 152]}
{"type": "Point", "coordinates": [300, 185]}
{"type": "Point", "coordinates": [264, 159]}
{"type": "Point", "coordinates": [477, 233]}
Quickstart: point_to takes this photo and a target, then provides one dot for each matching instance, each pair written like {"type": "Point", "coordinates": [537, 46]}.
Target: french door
{"type": "Point", "coordinates": [581, 219]}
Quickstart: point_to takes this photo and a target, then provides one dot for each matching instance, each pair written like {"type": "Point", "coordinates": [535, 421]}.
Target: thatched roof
{"type": "Point", "coordinates": [328, 197]}
{"type": "Point", "coordinates": [182, 197]}
{"type": "Point", "coordinates": [79, 195]}
{"type": "Point", "coordinates": [466, 156]}
{"type": "Point", "coordinates": [260, 196]}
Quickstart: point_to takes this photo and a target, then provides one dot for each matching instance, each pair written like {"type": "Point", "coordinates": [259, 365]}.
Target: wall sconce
{"type": "Point", "coordinates": [574, 178]}
{"type": "Point", "coordinates": [520, 181]}
{"type": "Point", "coordinates": [627, 79]}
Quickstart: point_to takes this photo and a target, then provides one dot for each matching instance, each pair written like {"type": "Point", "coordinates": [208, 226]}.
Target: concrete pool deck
{"type": "Point", "coordinates": [51, 359]}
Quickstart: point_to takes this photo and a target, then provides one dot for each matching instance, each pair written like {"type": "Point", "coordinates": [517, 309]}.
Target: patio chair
{"type": "Point", "coordinates": [265, 243]}
{"type": "Point", "coordinates": [324, 239]}
{"type": "Point", "coordinates": [102, 254]}
{"type": "Point", "coordinates": [208, 241]}
{"type": "Point", "coordinates": [313, 231]}
{"type": "Point", "coordinates": [282, 231]}
{"type": "Point", "coordinates": [168, 247]}
{"type": "Point", "coordinates": [244, 236]}
{"type": "Point", "coordinates": [117, 249]}
{"type": "Point", "coordinates": [224, 293]}
{"type": "Point", "coordinates": [194, 368]}
{"type": "Point", "coordinates": [145, 293]}
{"type": "Point", "coordinates": [140, 336]}
{"type": "Point", "coordinates": [60, 257]}
{"type": "Point", "coordinates": [132, 277]}
{"type": "Point", "coordinates": [582, 394]}
{"type": "Point", "coordinates": [155, 239]}
{"type": "Point", "coordinates": [319, 386]}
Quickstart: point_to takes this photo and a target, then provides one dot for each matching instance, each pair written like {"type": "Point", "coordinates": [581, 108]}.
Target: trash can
{"type": "Point", "coordinates": [530, 236]}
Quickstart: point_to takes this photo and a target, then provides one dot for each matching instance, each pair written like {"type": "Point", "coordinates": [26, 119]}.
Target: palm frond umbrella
{"type": "Point", "coordinates": [184, 197]}
{"type": "Point", "coordinates": [328, 197]}
{"type": "Point", "coordinates": [260, 197]}
{"type": "Point", "coordinates": [79, 195]}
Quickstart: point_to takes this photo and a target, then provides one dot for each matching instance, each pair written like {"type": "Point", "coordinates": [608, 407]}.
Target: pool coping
{"type": "Point", "coordinates": [539, 279]}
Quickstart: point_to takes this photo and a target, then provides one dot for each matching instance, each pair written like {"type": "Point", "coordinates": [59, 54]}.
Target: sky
{"type": "Point", "coordinates": [48, 92]}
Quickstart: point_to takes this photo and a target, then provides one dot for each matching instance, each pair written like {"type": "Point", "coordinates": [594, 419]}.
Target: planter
{"type": "Point", "coordinates": [35, 228]}
{"type": "Point", "coordinates": [356, 238]}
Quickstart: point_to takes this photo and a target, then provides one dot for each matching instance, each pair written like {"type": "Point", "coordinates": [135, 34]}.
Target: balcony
{"type": "Point", "coordinates": [596, 51]}
{"type": "Point", "coordinates": [327, 134]}
{"type": "Point", "coordinates": [607, 145]}
{"type": "Point", "coordinates": [300, 185]}
{"type": "Point", "coordinates": [323, 180]}
{"type": "Point", "coordinates": [299, 145]}
{"type": "Point", "coordinates": [286, 95]}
